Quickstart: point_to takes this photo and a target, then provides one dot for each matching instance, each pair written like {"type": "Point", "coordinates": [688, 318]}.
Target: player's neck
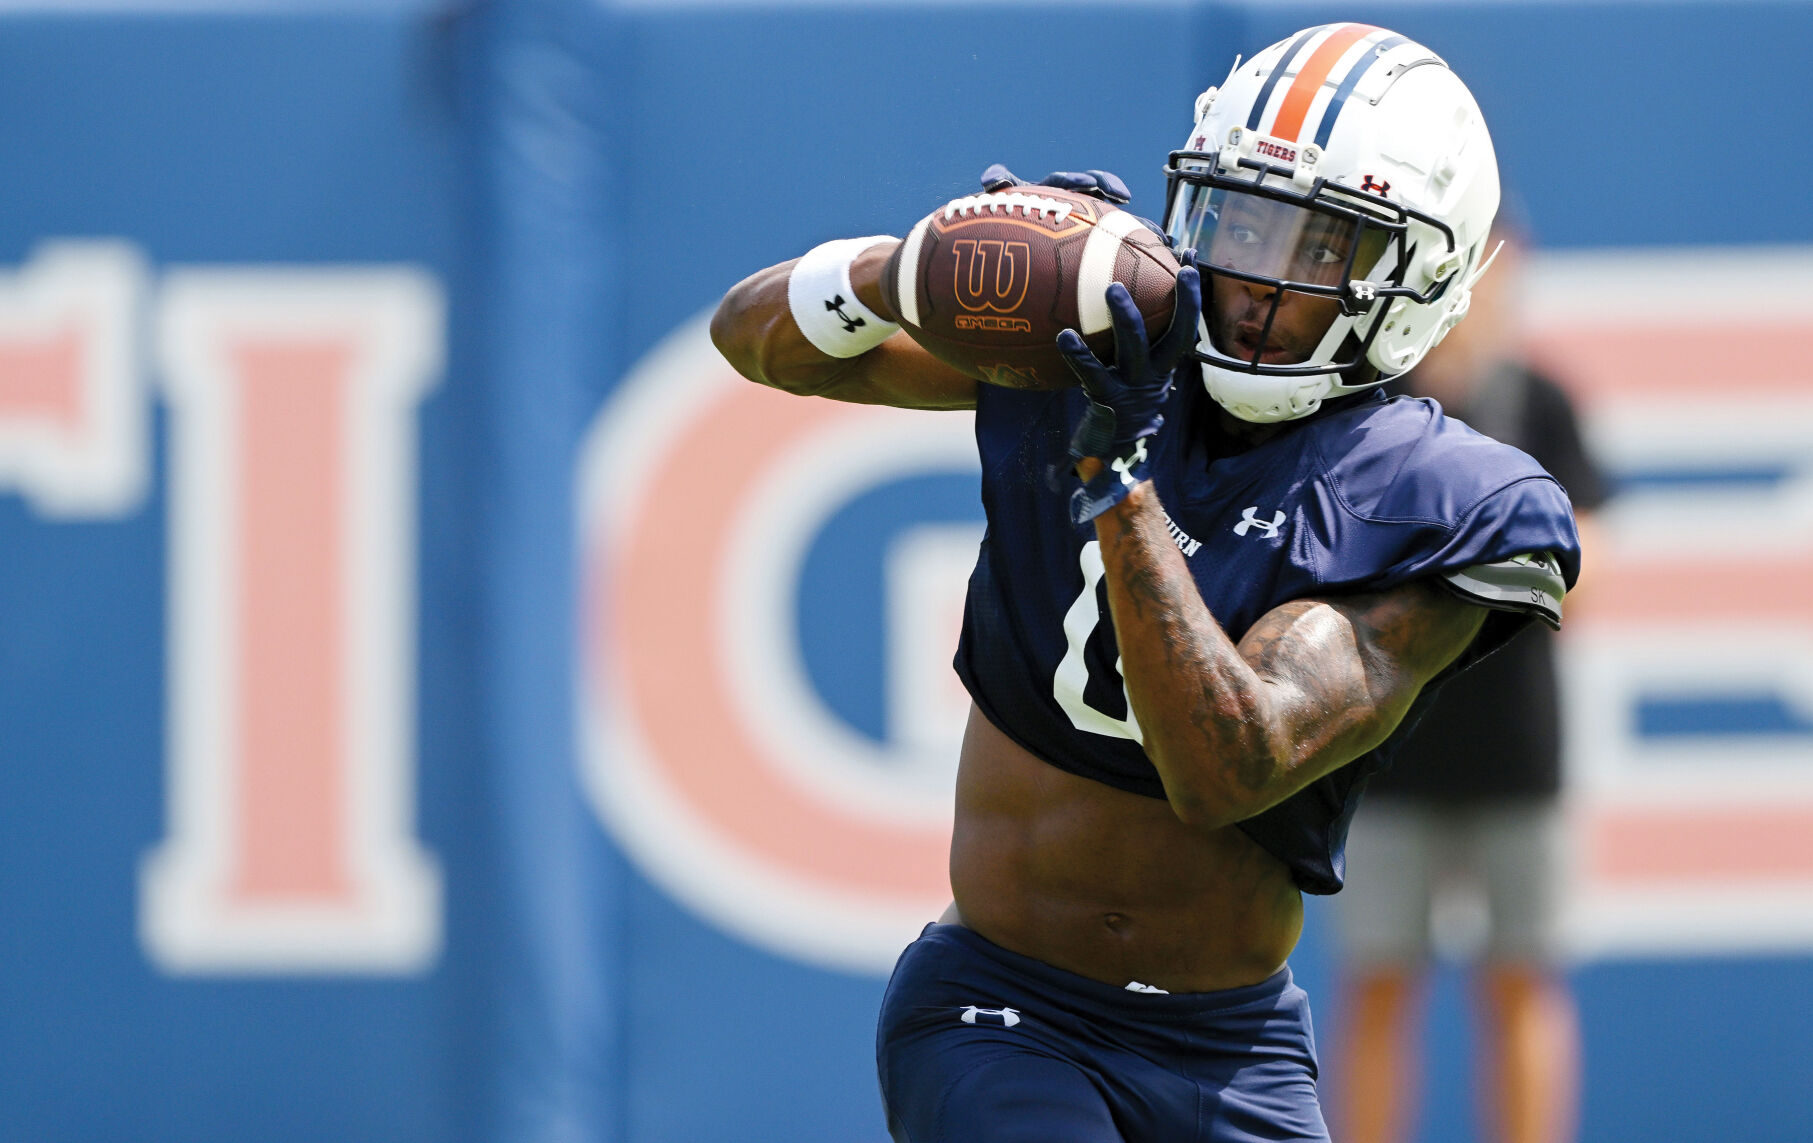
{"type": "Point", "coordinates": [1248, 434]}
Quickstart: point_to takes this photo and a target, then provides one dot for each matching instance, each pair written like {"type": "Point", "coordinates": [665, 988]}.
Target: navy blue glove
{"type": "Point", "coordinates": [1125, 398]}
{"type": "Point", "coordinates": [1101, 184]}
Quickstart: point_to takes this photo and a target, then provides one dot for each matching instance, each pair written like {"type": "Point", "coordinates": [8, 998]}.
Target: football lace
{"type": "Point", "coordinates": [1030, 204]}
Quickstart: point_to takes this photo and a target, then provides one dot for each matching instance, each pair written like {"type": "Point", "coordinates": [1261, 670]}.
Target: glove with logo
{"type": "Point", "coordinates": [1101, 184]}
{"type": "Point", "coordinates": [1125, 398]}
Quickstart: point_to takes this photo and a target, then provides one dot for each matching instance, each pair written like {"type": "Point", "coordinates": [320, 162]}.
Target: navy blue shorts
{"type": "Point", "coordinates": [981, 1045]}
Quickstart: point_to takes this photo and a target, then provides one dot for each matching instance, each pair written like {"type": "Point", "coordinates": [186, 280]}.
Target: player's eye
{"type": "Point", "coordinates": [1244, 235]}
{"type": "Point", "coordinates": [1322, 254]}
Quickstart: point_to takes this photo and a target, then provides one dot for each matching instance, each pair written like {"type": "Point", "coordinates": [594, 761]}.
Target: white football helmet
{"type": "Point", "coordinates": [1345, 171]}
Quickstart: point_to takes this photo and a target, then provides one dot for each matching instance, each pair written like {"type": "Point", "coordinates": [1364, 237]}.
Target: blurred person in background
{"type": "Point", "coordinates": [1472, 802]}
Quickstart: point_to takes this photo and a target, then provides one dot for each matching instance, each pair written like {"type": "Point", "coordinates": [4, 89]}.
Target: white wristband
{"type": "Point", "coordinates": [824, 304]}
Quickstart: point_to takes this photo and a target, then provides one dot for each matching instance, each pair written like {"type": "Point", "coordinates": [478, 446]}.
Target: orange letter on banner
{"type": "Point", "coordinates": [72, 397]}
{"type": "Point", "coordinates": [291, 787]}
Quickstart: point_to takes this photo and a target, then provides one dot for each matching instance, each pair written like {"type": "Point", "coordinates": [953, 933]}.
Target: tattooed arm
{"type": "Point", "coordinates": [1234, 729]}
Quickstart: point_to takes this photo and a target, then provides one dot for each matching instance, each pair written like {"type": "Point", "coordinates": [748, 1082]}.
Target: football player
{"type": "Point", "coordinates": [1218, 581]}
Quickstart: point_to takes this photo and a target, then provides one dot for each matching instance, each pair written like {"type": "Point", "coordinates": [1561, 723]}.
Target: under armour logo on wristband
{"type": "Point", "coordinates": [836, 306]}
{"type": "Point", "coordinates": [1124, 464]}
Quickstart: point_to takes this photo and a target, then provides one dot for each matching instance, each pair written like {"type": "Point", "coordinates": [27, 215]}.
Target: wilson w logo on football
{"type": "Point", "coordinates": [991, 274]}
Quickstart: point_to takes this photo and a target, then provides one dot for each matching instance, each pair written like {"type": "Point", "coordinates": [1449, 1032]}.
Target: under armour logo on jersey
{"type": "Point", "coordinates": [1124, 464]}
{"type": "Point", "coordinates": [1006, 1017]}
{"type": "Point", "coordinates": [836, 306]}
{"type": "Point", "coordinates": [1249, 519]}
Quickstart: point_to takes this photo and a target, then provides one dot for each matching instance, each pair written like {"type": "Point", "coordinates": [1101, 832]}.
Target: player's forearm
{"type": "Point", "coordinates": [1207, 722]}
{"type": "Point", "coordinates": [755, 330]}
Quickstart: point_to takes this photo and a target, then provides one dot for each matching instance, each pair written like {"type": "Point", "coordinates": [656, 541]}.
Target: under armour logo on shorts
{"type": "Point", "coordinates": [1006, 1017]}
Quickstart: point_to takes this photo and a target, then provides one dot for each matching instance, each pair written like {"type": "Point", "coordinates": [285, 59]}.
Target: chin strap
{"type": "Point", "coordinates": [1484, 266]}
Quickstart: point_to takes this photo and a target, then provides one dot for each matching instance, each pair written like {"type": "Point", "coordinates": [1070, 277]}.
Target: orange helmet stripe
{"type": "Point", "coordinates": [1303, 89]}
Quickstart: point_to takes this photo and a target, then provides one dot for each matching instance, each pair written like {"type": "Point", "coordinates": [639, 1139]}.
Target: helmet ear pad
{"type": "Point", "coordinates": [1410, 332]}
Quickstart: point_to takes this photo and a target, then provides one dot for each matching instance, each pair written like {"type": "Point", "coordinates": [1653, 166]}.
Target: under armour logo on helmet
{"type": "Point", "coordinates": [1006, 1017]}
{"type": "Point", "coordinates": [1249, 519]}
{"type": "Point", "coordinates": [1370, 187]}
{"type": "Point", "coordinates": [836, 305]}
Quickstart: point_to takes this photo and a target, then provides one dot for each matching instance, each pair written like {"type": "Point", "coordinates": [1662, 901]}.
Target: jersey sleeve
{"type": "Point", "coordinates": [1529, 582]}
{"type": "Point", "coordinates": [1530, 517]}
{"type": "Point", "coordinates": [1423, 496]}
{"type": "Point", "coordinates": [1423, 528]}
{"type": "Point", "coordinates": [1528, 514]}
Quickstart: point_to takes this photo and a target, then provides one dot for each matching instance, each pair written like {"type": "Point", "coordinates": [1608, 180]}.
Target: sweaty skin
{"type": "Point", "coordinates": [1108, 884]}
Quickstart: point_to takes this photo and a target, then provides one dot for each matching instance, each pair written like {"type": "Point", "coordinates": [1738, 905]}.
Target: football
{"type": "Point", "coordinates": [986, 282]}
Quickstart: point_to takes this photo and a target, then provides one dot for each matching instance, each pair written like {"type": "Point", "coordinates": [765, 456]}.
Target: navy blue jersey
{"type": "Point", "coordinates": [1368, 494]}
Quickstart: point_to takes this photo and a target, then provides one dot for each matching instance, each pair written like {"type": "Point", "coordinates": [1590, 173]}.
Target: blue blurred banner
{"type": "Point", "coordinates": [440, 701]}
{"type": "Point", "coordinates": [240, 850]}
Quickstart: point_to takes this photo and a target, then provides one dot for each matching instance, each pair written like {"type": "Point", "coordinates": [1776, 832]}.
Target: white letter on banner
{"type": "Point", "coordinates": [291, 627]}
{"type": "Point", "coordinates": [72, 399]}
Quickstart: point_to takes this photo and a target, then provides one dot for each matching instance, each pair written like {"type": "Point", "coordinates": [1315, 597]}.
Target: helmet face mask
{"type": "Point", "coordinates": [1279, 253]}
{"type": "Point", "coordinates": [1320, 276]}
